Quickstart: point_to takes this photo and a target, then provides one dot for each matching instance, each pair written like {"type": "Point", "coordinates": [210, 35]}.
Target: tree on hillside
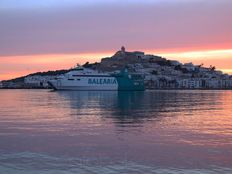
{"type": "Point", "coordinates": [212, 68]}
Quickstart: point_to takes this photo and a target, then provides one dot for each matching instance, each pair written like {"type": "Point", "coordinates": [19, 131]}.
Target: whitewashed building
{"type": "Point", "coordinates": [38, 81]}
{"type": "Point", "coordinates": [190, 83]}
{"type": "Point", "coordinates": [175, 62]}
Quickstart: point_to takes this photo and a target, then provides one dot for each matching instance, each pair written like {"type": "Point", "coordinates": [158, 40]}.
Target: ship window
{"type": "Point", "coordinates": [78, 79]}
{"type": "Point", "coordinates": [70, 79]}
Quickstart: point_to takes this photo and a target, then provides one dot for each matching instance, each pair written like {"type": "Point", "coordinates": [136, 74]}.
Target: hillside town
{"type": "Point", "coordinates": [158, 73]}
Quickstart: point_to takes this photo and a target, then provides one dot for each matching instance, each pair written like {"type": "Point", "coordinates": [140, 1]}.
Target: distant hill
{"type": "Point", "coordinates": [47, 73]}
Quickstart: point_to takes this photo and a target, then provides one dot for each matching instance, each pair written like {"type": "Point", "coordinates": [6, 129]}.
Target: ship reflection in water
{"type": "Point", "coordinates": [115, 132]}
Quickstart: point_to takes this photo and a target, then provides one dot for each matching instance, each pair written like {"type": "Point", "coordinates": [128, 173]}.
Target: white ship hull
{"type": "Point", "coordinates": [86, 88]}
{"type": "Point", "coordinates": [86, 84]}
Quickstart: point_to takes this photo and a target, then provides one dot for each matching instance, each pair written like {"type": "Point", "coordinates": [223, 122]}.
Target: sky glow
{"type": "Point", "coordinates": [33, 33]}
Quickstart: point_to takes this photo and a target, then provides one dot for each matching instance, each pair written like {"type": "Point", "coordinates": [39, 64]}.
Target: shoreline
{"type": "Point", "coordinates": [147, 89]}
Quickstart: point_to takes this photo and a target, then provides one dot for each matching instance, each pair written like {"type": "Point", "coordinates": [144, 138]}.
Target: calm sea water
{"type": "Point", "coordinates": [44, 132]}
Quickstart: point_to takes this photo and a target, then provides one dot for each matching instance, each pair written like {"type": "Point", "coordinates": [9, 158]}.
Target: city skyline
{"type": "Point", "coordinates": [51, 35]}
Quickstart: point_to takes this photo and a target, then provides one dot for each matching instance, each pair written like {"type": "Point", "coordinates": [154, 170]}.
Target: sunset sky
{"type": "Point", "coordinates": [41, 35]}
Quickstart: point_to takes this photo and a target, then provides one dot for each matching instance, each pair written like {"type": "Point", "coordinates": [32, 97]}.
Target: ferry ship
{"type": "Point", "coordinates": [84, 79]}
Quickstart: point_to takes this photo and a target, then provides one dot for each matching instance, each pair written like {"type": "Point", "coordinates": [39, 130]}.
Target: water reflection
{"type": "Point", "coordinates": [135, 107]}
{"type": "Point", "coordinates": [115, 132]}
{"type": "Point", "coordinates": [123, 106]}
